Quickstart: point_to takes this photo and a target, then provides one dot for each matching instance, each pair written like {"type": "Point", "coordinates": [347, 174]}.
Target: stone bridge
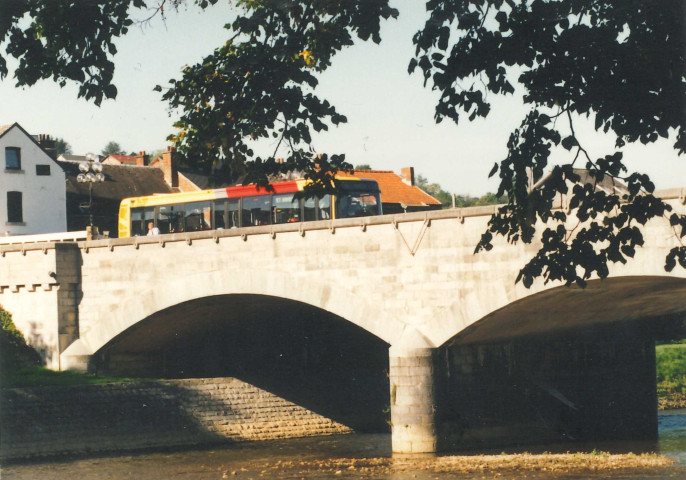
{"type": "Point", "coordinates": [410, 280]}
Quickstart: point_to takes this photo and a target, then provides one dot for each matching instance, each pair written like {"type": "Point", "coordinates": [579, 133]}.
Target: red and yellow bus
{"type": "Point", "coordinates": [245, 205]}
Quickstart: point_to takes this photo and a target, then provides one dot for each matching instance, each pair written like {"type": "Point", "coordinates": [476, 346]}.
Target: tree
{"type": "Point", "coordinates": [14, 352]}
{"type": "Point", "coordinates": [446, 198]}
{"type": "Point", "coordinates": [69, 40]}
{"type": "Point", "coordinates": [435, 190]}
{"type": "Point", "coordinates": [261, 84]}
{"type": "Point", "coordinates": [636, 90]}
{"type": "Point", "coordinates": [62, 147]}
{"type": "Point", "coordinates": [112, 148]}
{"type": "Point", "coordinates": [487, 199]}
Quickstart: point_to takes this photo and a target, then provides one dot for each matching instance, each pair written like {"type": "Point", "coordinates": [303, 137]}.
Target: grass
{"type": "Point", "coordinates": [671, 375]}
{"type": "Point", "coordinates": [39, 376]}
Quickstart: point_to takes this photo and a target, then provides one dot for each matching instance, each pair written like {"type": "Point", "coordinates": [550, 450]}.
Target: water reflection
{"type": "Point", "coordinates": [672, 428]}
{"type": "Point", "coordinates": [350, 456]}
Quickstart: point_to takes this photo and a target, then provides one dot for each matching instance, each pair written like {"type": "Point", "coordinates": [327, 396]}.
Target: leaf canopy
{"type": "Point", "coordinates": [620, 64]}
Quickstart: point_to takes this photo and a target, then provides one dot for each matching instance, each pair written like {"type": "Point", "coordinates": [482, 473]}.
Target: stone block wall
{"type": "Point", "coordinates": [411, 375]}
{"type": "Point", "coordinates": [578, 387]}
{"type": "Point", "coordinates": [91, 419]}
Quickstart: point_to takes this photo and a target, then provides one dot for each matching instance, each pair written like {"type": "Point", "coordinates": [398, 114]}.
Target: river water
{"type": "Point", "coordinates": [349, 456]}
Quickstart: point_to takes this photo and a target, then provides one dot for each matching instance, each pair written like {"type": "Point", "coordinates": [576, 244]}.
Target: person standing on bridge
{"type": "Point", "coordinates": [152, 229]}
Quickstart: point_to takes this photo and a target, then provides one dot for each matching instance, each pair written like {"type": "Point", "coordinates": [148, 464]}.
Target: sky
{"type": "Point", "coordinates": [390, 113]}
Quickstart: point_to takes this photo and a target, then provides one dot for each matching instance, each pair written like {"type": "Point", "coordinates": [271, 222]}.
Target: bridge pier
{"type": "Point", "coordinates": [413, 411]}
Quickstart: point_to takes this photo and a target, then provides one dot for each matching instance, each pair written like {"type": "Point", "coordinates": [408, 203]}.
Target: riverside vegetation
{"type": "Point", "coordinates": [671, 375]}
{"type": "Point", "coordinates": [20, 365]}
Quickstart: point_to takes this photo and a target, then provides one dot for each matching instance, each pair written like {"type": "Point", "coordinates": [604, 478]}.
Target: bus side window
{"type": "Point", "coordinates": [197, 216]}
{"type": "Point", "coordinates": [310, 209]}
{"type": "Point", "coordinates": [256, 210]}
{"type": "Point", "coordinates": [219, 212]}
{"type": "Point", "coordinates": [285, 208]}
{"type": "Point", "coordinates": [233, 213]}
{"type": "Point", "coordinates": [170, 218]}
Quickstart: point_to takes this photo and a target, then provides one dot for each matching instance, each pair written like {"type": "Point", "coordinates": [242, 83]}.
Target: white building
{"type": "Point", "coordinates": [32, 186]}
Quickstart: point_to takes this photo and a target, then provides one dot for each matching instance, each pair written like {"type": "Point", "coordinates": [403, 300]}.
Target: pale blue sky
{"type": "Point", "coordinates": [390, 114]}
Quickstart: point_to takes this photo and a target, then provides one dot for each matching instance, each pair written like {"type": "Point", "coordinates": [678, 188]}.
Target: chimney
{"type": "Point", "coordinates": [169, 167]}
{"type": "Point", "coordinates": [142, 159]}
{"type": "Point", "coordinates": [407, 175]}
{"type": "Point", "coordinates": [47, 144]}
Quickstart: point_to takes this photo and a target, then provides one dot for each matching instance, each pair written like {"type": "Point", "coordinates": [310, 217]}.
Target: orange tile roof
{"type": "Point", "coordinates": [395, 190]}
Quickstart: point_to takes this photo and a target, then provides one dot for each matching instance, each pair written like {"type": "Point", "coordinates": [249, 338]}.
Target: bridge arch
{"type": "Point", "coordinates": [559, 308]}
{"type": "Point", "coordinates": [294, 351]}
{"type": "Point", "coordinates": [562, 364]}
{"type": "Point", "coordinates": [136, 306]}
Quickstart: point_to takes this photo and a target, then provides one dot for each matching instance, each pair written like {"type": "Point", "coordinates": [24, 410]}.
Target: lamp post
{"type": "Point", "coordinates": [91, 172]}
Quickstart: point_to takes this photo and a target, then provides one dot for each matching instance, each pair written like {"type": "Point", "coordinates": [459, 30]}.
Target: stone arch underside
{"type": "Point", "coordinates": [603, 302]}
{"type": "Point", "coordinates": [319, 293]}
{"type": "Point", "coordinates": [563, 364]}
{"type": "Point", "coordinates": [304, 355]}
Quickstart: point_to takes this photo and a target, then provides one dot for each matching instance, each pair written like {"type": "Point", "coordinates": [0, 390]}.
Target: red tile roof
{"type": "Point", "coordinates": [395, 190]}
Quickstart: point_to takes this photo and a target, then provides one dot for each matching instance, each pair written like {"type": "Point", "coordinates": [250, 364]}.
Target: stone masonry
{"type": "Point", "coordinates": [116, 417]}
{"type": "Point", "coordinates": [413, 409]}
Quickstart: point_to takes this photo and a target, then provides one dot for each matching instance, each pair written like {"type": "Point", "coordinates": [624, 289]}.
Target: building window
{"type": "Point", "coordinates": [42, 169]}
{"type": "Point", "coordinates": [13, 158]}
{"type": "Point", "coordinates": [14, 207]}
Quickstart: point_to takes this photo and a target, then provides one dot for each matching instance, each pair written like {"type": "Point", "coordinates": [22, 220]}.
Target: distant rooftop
{"type": "Point", "coordinates": [121, 181]}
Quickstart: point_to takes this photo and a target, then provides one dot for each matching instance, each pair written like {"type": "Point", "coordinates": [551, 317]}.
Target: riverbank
{"type": "Point", "coordinates": [675, 401]}
{"type": "Point", "coordinates": [351, 457]}
{"type": "Point", "coordinates": [469, 464]}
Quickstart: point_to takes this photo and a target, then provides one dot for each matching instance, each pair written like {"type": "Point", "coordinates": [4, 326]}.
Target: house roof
{"type": "Point", "coordinates": [121, 181]}
{"type": "Point", "coordinates": [72, 158]}
{"type": "Point", "coordinates": [6, 128]}
{"type": "Point", "coordinates": [122, 159]}
{"type": "Point", "coordinates": [395, 190]}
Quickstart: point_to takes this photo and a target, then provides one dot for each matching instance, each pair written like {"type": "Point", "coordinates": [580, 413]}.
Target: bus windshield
{"type": "Point", "coordinates": [358, 199]}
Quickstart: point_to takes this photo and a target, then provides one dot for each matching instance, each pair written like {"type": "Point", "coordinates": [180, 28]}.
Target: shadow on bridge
{"type": "Point", "coordinates": [566, 364]}
{"type": "Point", "coordinates": [307, 356]}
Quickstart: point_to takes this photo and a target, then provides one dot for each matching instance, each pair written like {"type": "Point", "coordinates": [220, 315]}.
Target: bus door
{"type": "Point", "coordinates": [226, 213]}
{"type": "Point", "coordinates": [317, 208]}
{"type": "Point", "coordinates": [324, 209]}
